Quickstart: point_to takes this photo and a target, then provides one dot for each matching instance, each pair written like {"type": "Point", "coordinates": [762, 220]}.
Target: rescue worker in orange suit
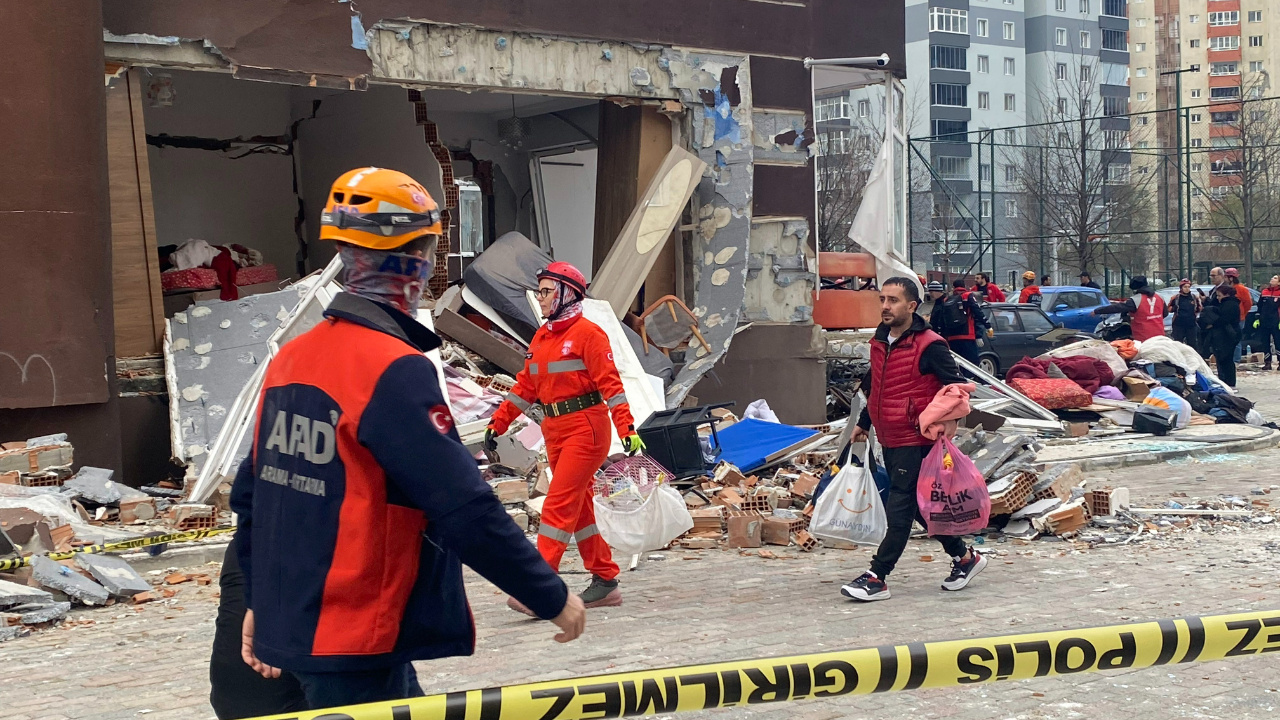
{"type": "Point", "coordinates": [569, 371]}
{"type": "Point", "coordinates": [359, 504]}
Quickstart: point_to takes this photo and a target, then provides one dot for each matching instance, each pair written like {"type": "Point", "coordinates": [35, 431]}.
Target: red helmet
{"type": "Point", "coordinates": [561, 271]}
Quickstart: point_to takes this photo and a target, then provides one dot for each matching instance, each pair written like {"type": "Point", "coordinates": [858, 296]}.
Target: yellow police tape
{"type": "Point", "coordinates": [6, 565]}
{"type": "Point", "coordinates": [889, 668]}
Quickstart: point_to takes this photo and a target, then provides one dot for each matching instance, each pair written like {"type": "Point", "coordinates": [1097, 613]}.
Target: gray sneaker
{"type": "Point", "coordinates": [601, 593]}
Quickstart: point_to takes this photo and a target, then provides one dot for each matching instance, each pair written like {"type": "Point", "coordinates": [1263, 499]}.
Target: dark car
{"type": "Point", "coordinates": [1018, 329]}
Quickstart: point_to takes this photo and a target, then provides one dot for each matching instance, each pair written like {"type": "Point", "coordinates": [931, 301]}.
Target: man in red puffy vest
{"type": "Point", "coordinates": [1146, 310]}
{"type": "Point", "coordinates": [909, 365]}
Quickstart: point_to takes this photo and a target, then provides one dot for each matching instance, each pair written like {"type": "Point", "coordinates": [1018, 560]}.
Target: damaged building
{"type": "Point", "coordinates": [182, 121]}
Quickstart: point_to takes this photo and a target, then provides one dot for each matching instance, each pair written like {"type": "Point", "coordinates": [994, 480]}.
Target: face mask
{"type": "Point", "coordinates": [393, 278]}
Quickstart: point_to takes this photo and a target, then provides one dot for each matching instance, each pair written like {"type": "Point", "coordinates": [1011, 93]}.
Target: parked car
{"type": "Point", "coordinates": [1072, 305]}
{"type": "Point", "coordinates": [1167, 294]}
{"type": "Point", "coordinates": [1017, 328]}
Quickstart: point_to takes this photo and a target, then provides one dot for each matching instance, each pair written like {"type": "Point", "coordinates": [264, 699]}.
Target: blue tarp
{"type": "Point", "coordinates": [747, 443]}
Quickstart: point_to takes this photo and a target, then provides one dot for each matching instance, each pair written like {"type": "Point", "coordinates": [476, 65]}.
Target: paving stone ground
{"type": "Point", "coordinates": [704, 606]}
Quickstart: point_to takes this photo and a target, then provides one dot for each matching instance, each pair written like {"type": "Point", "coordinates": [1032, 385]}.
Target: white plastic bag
{"type": "Point", "coordinates": [850, 508]}
{"type": "Point", "coordinates": [662, 518]}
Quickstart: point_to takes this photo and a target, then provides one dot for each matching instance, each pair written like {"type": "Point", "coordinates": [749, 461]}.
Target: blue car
{"type": "Point", "coordinates": [1072, 305]}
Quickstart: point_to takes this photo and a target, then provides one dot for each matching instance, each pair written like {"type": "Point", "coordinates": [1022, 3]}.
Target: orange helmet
{"type": "Point", "coordinates": [378, 209]}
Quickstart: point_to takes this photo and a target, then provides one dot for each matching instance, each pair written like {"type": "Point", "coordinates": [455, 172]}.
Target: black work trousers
{"type": "Point", "coordinates": [1188, 335]}
{"type": "Point", "coordinates": [903, 465]}
{"type": "Point", "coordinates": [967, 349]}
{"type": "Point", "coordinates": [1223, 353]}
{"type": "Point", "coordinates": [1268, 333]}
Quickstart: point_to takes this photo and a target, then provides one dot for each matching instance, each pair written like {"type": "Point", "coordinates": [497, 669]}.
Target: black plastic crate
{"type": "Point", "coordinates": [671, 438]}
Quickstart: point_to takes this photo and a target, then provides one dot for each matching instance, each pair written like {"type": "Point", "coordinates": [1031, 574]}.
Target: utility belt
{"type": "Point", "coordinates": [564, 407]}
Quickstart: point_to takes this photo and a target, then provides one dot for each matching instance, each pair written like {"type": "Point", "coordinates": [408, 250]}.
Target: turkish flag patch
{"type": "Point", "coordinates": [441, 419]}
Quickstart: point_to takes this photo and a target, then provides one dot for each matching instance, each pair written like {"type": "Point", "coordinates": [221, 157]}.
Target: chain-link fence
{"type": "Point", "coordinates": [1167, 194]}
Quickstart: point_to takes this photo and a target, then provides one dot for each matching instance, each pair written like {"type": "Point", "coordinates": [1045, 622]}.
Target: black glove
{"type": "Point", "coordinates": [490, 443]}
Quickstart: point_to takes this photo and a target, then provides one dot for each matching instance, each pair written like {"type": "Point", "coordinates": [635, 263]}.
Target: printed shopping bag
{"type": "Point", "coordinates": [850, 507]}
{"type": "Point", "coordinates": [951, 492]}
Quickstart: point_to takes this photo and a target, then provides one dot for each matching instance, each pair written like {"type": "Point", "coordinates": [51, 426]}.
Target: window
{"type": "Point", "coordinates": [1224, 93]}
{"type": "Point", "coordinates": [982, 27]}
{"type": "Point", "coordinates": [1011, 208]}
{"type": "Point", "coordinates": [1084, 6]}
{"type": "Point", "coordinates": [1142, 145]}
{"type": "Point", "coordinates": [1064, 139]}
{"type": "Point", "coordinates": [984, 101]}
{"type": "Point", "coordinates": [949, 20]}
{"type": "Point", "coordinates": [1060, 37]}
{"type": "Point", "coordinates": [1196, 117]}
{"type": "Point", "coordinates": [1114, 74]}
{"type": "Point", "coordinates": [984, 174]}
{"type": "Point", "coordinates": [984, 64]}
{"type": "Point", "coordinates": [1008, 31]}
{"type": "Point", "coordinates": [1061, 72]}
{"type": "Point", "coordinates": [1255, 16]}
{"type": "Point", "coordinates": [1142, 120]}
{"type": "Point", "coordinates": [1034, 321]}
{"type": "Point", "coordinates": [1084, 39]}
{"type": "Point", "coordinates": [1113, 106]}
{"type": "Point", "coordinates": [1060, 5]}
{"type": "Point", "coordinates": [864, 108]}
{"type": "Point", "coordinates": [1255, 66]}
{"type": "Point", "coordinates": [1011, 137]}
{"type": "Point", "coordinates": [835, 142]}
{"type": "Point", "coordinates": [1225, 42]}
{"type": "Point", "coordinates": [1258, 115]}
{"type": "Point", "coordinates": [836, 108]}
{"type": "Point", "coordinates": [1255, 91]}
{"type": "Point", "coordinates": [1142, 97]}
{"type": "Point", "coordinates": [986, 207]}
{"type": "Point", "coordinates": [1197, 142]}
{"type": "Point", "coordinates": [1116, 40]}
{"type": "Point", "coordinates": [1226, 167]}
{"type": "Point", "coordinates": [1141, 22]}
{"type": "Point", "coordinates": [1224, 68]}
{"type": "Point", "coordinates": [1085, 73]}
{"type": "Point", "coordinates": [1197, 215]}
{"type": "Point", "coordinates": [1139, 47]}
{"type": "Point", "coordinates": [1197, 167]}
{"type": "Point", "coordinates": [1010, 102]}
{"type": "Point", "coordinates": [1255, 41]}
{"type": "Point", "coordinates": [1195, 67]}
{"type": "Point", "coordinates": [1141, 72]}
{"type": "Point", "coordinates": [1223, 118]}
{"type": "Point", "coordinates": [943, 57]}
{"type": "Point", "coordinates": [1229, 17]}
{"type": "Point", "coordinates": [1195, 93]}
{"type": "Point", "coordinates": [1009, 67]}
{"type": "Point", "coordinates": [951, 130]}
{"type": "Point", "coordinates": [1117, 174]}
{"type": "Point", "coordinates": [1062, 106]}
{"type": "Point", "coordinates": [1010, 173]}
{"type": "Point", "coordinates": [953, 168]}
{"type": "Point", "coordinates": [1002, 319]}
{"type": "Point", "coordinates": [1193, 19]}
{"type": "Point", "coordinates": [1195, 43]}
{"type": "Point", "coordinates": [948, 94]}
{"type": "Point", "coordinates": [1116, 139]}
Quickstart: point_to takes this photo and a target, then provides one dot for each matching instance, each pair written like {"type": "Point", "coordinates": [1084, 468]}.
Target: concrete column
{"type": "Point", "coordinates": [57, 365]}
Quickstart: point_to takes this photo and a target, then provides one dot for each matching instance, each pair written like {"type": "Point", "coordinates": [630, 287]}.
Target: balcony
{"type": "Point", "coordinates": [1115, 8]}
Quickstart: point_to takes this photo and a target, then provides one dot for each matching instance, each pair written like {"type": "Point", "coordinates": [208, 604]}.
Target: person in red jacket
{"type": "Point", "coordinates": [909, 365]}
{"type": "Point", "coordinates": [569, 371]}
{"type": "Point", "coordinates": [989, 291]}
{"type": "Point", "coordinates": [1146, 310]}
{"type": "Point", "coordinates": [1030, 290]}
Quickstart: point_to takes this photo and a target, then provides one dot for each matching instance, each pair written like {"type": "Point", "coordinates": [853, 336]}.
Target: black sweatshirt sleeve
{"type": "Point", "coordinates": [864, 419]}
{"type": "Point", "coordinates": [1125, 307]}
{"type": "Point", "coordinates": [979, 318]}
{"type": "Point", "coordinates": [938, 361]}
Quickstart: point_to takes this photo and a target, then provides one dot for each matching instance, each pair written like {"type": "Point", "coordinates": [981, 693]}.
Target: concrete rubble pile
{"type": "Point", "coordinates": [47, 507]}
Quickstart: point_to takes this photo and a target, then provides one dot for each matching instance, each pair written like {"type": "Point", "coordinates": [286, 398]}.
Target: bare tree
{"type": "Point", "coordinates": [1244, 199]}
{"type": "Point", "coordinates": [843, 169]}
{"type": "Point", "coordinates": [1074, 174]}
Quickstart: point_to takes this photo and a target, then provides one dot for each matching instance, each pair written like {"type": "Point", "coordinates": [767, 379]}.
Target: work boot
{"type": "Point", "coordinates": [601, 593]}
{"type": "Point", "coordinates": [519, 607]}
{"type": "Point", "coordinates": [867, 588]}
{"type": "Point", "coordinates": [963, 570]}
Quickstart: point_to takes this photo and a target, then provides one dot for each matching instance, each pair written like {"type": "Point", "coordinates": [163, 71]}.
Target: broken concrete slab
{"type": "Point", "coordinates": [95, 485]}
{"type": "Point", "coordinates": [116, 575]}
{"type": "Point", "coordinates": [36, 613]}
{"type": "Point", "coordinates": [15, 594]}
{"type": "Point", "coordinates": [46, 440]}
{"type": "Point", "coordinates": [1036, 509]}
{"type": "Point", "coordinates": [58, 577]}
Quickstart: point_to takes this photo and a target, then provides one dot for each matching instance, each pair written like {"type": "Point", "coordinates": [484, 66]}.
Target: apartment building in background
{"type": "Point", "coordinates": [979, 70]}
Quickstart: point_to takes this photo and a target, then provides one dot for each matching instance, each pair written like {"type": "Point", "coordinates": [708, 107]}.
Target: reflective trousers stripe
{"type": "Point", "coordinates": [586, 532]}
{"type": "Point", "coordinates": [555, 533]}
{"type": "Point", "coordinates": [560, 366]}
{"type": "Point", "coordinates": [617, 400]}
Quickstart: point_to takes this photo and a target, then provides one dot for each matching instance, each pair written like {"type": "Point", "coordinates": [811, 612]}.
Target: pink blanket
{"type": "Point", "coordinates": [948, 407]}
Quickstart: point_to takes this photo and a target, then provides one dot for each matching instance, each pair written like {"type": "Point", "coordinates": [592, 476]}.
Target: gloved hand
{"type": "Point", "coordinates": [632, 444]}
{"type": "Point", "coordinates": [490, 443]}
{"type": "Point", "coordinates": [991, 332]}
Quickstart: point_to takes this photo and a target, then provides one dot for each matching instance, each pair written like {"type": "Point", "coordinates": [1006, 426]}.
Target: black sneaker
{"type": "Point", "coordinates": [601, 593]}
{"type": "Point", "coordinates": [962, 571]}
{"type": "Point", "coordinates": [866, 588]}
